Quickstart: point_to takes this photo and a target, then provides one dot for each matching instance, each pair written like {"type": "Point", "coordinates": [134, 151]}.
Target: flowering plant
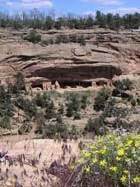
{"type": "Point", "coordinates": [117, 157]}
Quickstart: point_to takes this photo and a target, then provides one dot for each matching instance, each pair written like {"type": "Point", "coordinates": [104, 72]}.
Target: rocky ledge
{"type": "Point", "coordinates": [105, 55]}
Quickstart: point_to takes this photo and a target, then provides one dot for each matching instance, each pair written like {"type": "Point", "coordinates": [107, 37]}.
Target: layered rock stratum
{"type": "Point", "coordinates": [105, 55]}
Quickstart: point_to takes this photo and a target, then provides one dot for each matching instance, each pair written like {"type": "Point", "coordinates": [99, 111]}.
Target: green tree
{"type": "Point", "coordinates": [19, 84]}
{"type": "Point", "coordinates": [73, 105]}
{"type": "Point", "coordinates": [101, 99]}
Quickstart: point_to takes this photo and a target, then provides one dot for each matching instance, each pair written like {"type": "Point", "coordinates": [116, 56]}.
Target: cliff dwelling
{"type": "Point", "coordinates": [73, 77]}
{"type": "Point", "coordinates": [47, 85]}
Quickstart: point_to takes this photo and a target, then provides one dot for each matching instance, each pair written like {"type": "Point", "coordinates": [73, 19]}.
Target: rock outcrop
{"type": "Point", "coordinates": [105, 55]}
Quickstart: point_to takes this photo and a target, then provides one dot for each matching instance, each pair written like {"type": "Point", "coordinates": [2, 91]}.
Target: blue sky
{"type": "Point", "coordinates": [72, 6]}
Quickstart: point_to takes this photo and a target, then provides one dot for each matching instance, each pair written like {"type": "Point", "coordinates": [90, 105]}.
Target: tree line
{"type": "Point", "coordinates": [38, 20]}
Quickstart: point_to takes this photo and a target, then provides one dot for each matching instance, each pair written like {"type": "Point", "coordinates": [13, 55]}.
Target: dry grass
{"type": "Point", "coordinates": [29, 159]}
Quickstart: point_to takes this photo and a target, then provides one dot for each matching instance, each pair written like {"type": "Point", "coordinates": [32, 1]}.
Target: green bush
{"type": "Point", "coordinates": [84, 101]}
{"type": "Point", "coordinates": [115, 158]}
{"type": "Point", "coordinates": [42, 100]}
{"type": "Point", "coordinates": [33, 37]}
{"type": "Point", "coordinates": [45, 101]}
{"type": "Point", "coordinates": [113, 110]}
{"type": "Point", "coordinates": [62, 39]}
{"type": "Point", "coordinates": [124, 84]}
{"type": "Point", "coordinates": [19, 84]}
{"type": "Point", "coordinates": [58, 39]}
{"type": "Point", "coordinates": [6, 108]}
{"type": "Point", "coordinates": [50, 110]}
{"type": "Point", "coordinates": [96, 126]}
{"type": "Point", "coordinates": [27, 106]}
{"type": "Point", "coordinates": [55, 129]}
{"type": "Point", "coordinates": [73, 38]}
{"type": "Point", "coordinates": [74, 133]}
{"type": "Point", "coordinates": [73, 105]}
{"type": "Point", "coordinates": [81, 40]}
{"type": "Point", "coordinates": [138, 100]}
{"type": "Point", "coordinates": [5, 122]}
{"type": "Point", "coordinates": [61, 109]}
{"type": "Point", "coordinates": [101, 99]}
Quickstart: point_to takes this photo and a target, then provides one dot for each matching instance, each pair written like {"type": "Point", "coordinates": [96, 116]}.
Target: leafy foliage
{"type": "Point", "coordinates": [27, 106]}
{"type": "Point", "coordinates": [45, 101]}
{"type": "Point", "coordinates": [20, 83]}
{"type": "Point", "coordinates": [84, 101]}
{"type": "Point", "coordinates": [33, 37]}
{"type": "Point", "coordinates": [101, 99]}
{"type": "Point", "coordinates": [96, 125]}
{"type": "Point", "coordinates": [39, 20]}
{"type": "Point", "coordinates": [124, 84]}
{"type": "Point", "coordinates": [73, 105]}
{"type": "Point", "coordinates": [55, 128]}
{"type": "Point", "coordinates": [116, 157]}
{"type": "Point", "coordinates": [6, 108]}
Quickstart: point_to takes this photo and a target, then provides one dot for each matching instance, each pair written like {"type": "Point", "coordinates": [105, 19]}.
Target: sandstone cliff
{"type": "Point", "coordinates": [105, 55]}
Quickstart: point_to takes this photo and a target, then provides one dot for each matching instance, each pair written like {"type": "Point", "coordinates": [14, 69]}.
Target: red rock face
{"type": "Point", "coordinates": [105, 55]}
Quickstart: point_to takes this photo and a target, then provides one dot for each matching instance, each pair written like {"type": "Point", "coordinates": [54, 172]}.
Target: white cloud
{"type": "Point", "coordinates": [121, 11]}
{"type": "Point", "coordinates": [105, 2]}
{"type": "Point", "coordinates": [30, 3]}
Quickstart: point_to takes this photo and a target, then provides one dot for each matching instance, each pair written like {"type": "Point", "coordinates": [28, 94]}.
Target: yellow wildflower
{"type": "Point", "coordinates": [103, 151]}
{"type": "Point", "coordinates": [137, 144]}
{"type": "Point", "coordinates": [87, 169]}
{"type": "Point", "coordinates": [103, 163]}
{"type": "Point", "coordinates": [126, 171]}
{"type": "Point", "coordinates": [114, 169]}
{"type": "Point", "coordinates": [87, 154]}
{"type": "Point", "coordinates": [121, 152]}
{"type": "Point", "coordinates": [129, 143]}
{"type": "Point", "coordinates": [118, 158]}
{"type": "Point", "coordinates": [123, 179]}
{"type": "Point", "coordinates": [136, 179]}
{"type": "Point", "coordinates": [94, 160]}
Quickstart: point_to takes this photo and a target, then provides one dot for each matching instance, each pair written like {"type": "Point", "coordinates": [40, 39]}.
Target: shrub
{"type": "Point", "coordinates": [81, 40]}
{"type": "Point", "coordinates": [101, 99]}
{"type": "Point", "coordinates": [39, 100]}
{"type": "Point", "coordinates": [112, 109]}
{"type": "Point", "coordinates": [115, 158]}
{"type": "Point", "coordinates": [27, 106]}
{"type": "Point", "coordinates": [96, 125]}
{"type": "Point", "coordinates": [77, 115]}
{"type": "Point", "coordinates": [55, 129]}
{"type": "Point", "coordinates": [73, 105]}
{"type": "Point", "coordinates": [50, 110]}
{"type": "Point", "coordinates": [5, 122]}
{"type": "Point", "coordinates": [42, 100]}
{"type": "Point", "coordinates": [6, 108]}
{"type": "Point", "coordinates": [61, 109]}
{"type": "Point", "coordinates": [62, 39]}
{"type": "Point", "coordinates": [50, 41]}
{"type": "Point", "coordinates": [124, 84]}
{"type": "Point", "coordinates": [73, 132]}
{"type": "Point", "coordinates": [84, 101]}
{"type": "Point", "coordinates": [58, 39]}
{"type": "Point", "coordinates": [73, 38]}
{"type": "Point", "coordinates": [19, 84]}
{"type": "Point", "coordinates": [138, 100]}
{"type": "Point", "coordinates": [33, 37]}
